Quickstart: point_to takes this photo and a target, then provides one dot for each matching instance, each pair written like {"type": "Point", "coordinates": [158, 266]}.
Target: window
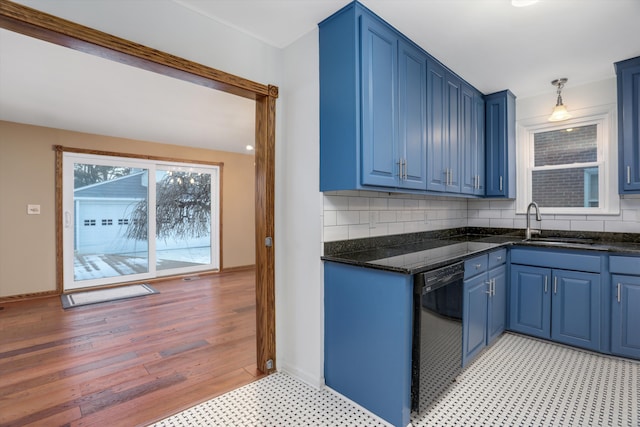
{"type": "Point", "coordinates": [167, 215]}
{"type": "Point", "coordinates": [569, 167]}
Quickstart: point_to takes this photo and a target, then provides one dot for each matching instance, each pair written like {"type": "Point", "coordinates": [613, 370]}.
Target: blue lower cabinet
{"type": "Point", "coordinates": [530, 300]}
{"type": "Point", "coordinates": [474, 309]}
{"type": "Point", "coordinates": [575, 318]}
{"type": "Point", "coordinates": [368, 335]}
{"type": "Point", "coordinates": [561, 305]}
{"type": "Point", "coordinates": [625, 316]}
{"type": "Point", "coordinates": [497, 312]}
{"type": "Point", "coordinates": [484, 306]}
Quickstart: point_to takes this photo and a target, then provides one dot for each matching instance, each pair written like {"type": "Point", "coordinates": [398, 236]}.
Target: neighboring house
{"type": "Point", "coordinates": [103, 212]}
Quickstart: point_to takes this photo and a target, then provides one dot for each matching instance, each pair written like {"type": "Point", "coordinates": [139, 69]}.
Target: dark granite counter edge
{"type": "Point", "coordinates": [345, 251]}
{"type": "Point", "coordinates": [357, 245]}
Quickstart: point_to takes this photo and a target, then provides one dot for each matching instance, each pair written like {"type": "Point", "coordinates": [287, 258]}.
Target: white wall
{"type": "Point", "coordinates": [299, 290]}
{"type": "Point", "coordinates": [502, 213]}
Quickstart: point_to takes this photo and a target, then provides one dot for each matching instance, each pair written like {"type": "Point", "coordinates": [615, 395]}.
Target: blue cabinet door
{"type": "Point", "coordinates": [474, 321]}
{"type": "Point", "coordinates": [530, 300]}
{"type": "Point", "coordinates": [576, 309]}
{"type": "Point", "coordinates": [625, 316]}
{"type": "Point", "coordinates": [471, 141]}
{"type": "Point", "coordinates": [437, 171]}
{"type": "Point", "coordinates": [452, 140]}
{"type": "Point", "coordinates": [500, 173]}
{"type": "Point", "coordinates": [379, 47]}
{"type": "Point", "coordinates": [628, 78]}
{"type": "Point", "coordinates": [497, 313]}
{"type": "Point", "coordinates": [412, 108]}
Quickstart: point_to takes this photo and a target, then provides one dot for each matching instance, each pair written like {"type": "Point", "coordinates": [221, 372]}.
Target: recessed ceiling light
{"type": "Point", "coordinates": [249, 147]}
{"type": "Point", "coordinates": [523, 3]}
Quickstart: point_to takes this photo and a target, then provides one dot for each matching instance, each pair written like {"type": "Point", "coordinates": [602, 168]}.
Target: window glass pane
{"type": "Point", "coordinates": [106, 199]}
{"type": "Point", "coordinates": [575, 187]}
{"type": "Point", "coordinates": [566, 146]}
{"type": "Point", "coordinates": [183, 219]}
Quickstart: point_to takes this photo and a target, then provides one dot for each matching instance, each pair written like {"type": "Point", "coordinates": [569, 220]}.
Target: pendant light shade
{"type": "Point", "coordinates": [559, 112]}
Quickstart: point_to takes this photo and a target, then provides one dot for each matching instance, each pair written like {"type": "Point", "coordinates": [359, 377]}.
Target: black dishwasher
{"type": "Point", "coordinates": [437, 333]}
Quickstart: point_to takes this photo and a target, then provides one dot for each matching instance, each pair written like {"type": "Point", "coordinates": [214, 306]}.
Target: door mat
{"type": "Point", "coordinates": [105, 295]}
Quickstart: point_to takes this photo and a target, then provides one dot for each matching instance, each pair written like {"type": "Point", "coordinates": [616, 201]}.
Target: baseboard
{"type": "Point", "coordinates": [22, 297]}
{"type": "Point", "coordinates": [238, 268]}
{"type": "Point", "coordinates": [311, 380]}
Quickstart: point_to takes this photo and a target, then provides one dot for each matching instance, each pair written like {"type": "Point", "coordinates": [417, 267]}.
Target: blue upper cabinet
{"type": "Point", "coordinates": [472, 141]}
{"type": "Point", "coordinates": [379, 103]}
{"type": "Point", "coordinates": [372, 105]}
{"type": "Point", "coordinates": [500, 141]}
{"type": "Point", "coordinates": [436, 126]}
{"type": "Point", "coordinates": [628, 76]}
{"type": "Point", "coordinates": [412, 109]}
{"type": "Point", "coordinates": [391, 116]}
{"type": "Point", "coordinates": [454, 132]}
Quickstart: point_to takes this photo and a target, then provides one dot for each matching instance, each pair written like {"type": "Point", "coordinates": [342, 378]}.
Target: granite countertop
{"type": "Point", "coordinates": [418, 252]}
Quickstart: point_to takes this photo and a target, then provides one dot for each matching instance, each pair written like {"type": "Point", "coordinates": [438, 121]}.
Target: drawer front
{"type": "Point", "coordinates": [497, 258]}
{"type": "Point", "coordinates": [624, 264]}
{"type": "Point", "coordinates": [475, 265]}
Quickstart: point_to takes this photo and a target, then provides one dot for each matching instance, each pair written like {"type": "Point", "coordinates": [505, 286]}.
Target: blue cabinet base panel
{"type": "Point", "coordinates": [368, 333]}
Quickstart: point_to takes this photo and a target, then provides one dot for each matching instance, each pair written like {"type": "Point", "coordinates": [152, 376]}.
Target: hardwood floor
{"type": "Point", "coordinates": [129, 362]}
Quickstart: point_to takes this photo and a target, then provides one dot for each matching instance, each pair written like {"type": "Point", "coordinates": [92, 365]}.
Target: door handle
{"type": "Point", "coordinates": [618, 292]}
{"type": "Point", "coordinates": [545, 284]}
{"type": "Point", "coordinates": [555, 285]}
{"type": "Point", "coordinates": [500, 182]}
{"type": "Point", "coordinates": [628, 174]}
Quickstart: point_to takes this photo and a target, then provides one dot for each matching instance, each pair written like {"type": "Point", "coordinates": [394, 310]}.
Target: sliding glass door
{"type": "Point", "coordinates": [110, 234]}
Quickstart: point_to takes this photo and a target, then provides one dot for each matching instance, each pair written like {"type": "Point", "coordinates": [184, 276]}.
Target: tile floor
{"type": "Point", "coordinates": [519, 381]}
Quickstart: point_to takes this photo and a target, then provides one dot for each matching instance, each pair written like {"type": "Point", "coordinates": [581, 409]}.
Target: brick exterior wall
{"type": "Point", "coordinates": [564, 187]}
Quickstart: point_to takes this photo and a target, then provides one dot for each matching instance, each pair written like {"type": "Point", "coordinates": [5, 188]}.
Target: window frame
{"type": "Point", "coordinates": [603, 116]}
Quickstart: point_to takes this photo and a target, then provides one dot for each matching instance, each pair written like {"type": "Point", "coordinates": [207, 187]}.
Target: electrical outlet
{"type": "Point", "coordinates": [33, 209]}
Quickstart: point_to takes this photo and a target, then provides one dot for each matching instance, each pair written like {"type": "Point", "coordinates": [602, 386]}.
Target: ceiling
{"type": "Point", "coordinates": [489, 43]}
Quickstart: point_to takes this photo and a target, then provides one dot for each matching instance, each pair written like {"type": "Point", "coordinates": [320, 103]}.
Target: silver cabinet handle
{"type": "Point", "coordinates": [477, 266]}
{"type": "Point", "coordinates": [555, 285]}
{"type": "Point", "coordinates": [399, 163]}
{"type": "Point", "coordinates": [499, 258]}
{"type": "Point", "coordinates": [618, 292]}
{"type": "Point", "coordinates": [545, 284]}
{"type": "Point", "coordinates": [489, 284]}
{"type": "Point", "coordinates": [493, 286]}
{"type": "Point", "coordinates": [500, 182]}
{"type": "Point", "coordinates": [628, 174]}
{"type": "Point", "coordinates": [405, 169]}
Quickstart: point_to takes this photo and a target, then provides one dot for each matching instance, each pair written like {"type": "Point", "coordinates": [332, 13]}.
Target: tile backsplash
{"type": "Point", "coordinates": [502, 213]}
{"type": "Point", "coordinates": [358, 214]}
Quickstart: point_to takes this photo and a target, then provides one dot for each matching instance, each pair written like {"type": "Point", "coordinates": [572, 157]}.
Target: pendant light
{"type": "Point", "coordinates": [559, 111]}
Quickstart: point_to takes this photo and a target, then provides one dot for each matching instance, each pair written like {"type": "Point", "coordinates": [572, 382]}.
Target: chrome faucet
{"type": "Point", "coordinates": [528, 232]}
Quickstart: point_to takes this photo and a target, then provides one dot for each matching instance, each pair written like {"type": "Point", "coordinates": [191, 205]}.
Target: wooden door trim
{"type": "Point", "coordinates": [34, 23]}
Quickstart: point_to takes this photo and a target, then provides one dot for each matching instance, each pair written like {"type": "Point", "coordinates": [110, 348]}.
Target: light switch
{"type": "Point", "coordinates": [33, 209]}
